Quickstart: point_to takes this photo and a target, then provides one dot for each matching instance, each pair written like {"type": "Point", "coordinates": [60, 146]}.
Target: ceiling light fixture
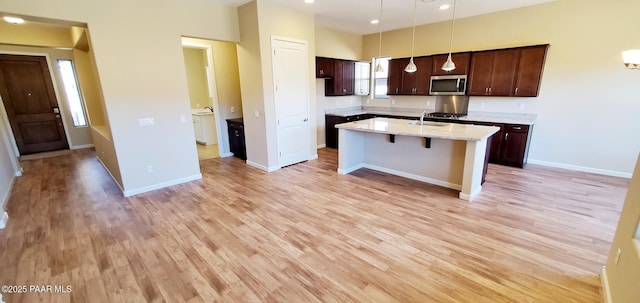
{"type": "Point", "coordinates": [444, 6]}
{"type": "Point", "coordinates": [375, 21]}
{"type": "Point", "coordinates": [379, 68]}
{"type": "Point", "coordinates": [14, 20]}
{"type": "Point", "coordinates": [449, 65]}
{"type": "Point", "coordinates": [411, 67]}
{"type": "Point", "coordinates": [308, 1]}
{"type": "Point", "coordinates": [631, 58]}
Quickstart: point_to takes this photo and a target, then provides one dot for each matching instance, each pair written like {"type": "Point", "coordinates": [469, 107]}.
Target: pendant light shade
{"type": "Point", "coordinates": [411, 67]}
{"type": "Point", "coordinates": [449, 65]}
{"type": "Point", "coordinates": [379, 68]}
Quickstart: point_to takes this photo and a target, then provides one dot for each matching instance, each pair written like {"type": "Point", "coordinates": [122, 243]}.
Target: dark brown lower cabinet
{"type": "Point", "coordinates": [331, 132]}
{"type": "Point", "coordinates": [510, 145]}
{"type": "Point", "coordinates": [236, 138]}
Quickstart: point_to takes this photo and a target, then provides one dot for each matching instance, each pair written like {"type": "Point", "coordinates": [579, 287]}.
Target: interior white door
{"type": "Point", "coordinates": [291, 81]}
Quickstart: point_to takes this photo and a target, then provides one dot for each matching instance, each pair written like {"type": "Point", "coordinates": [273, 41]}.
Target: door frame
{"type": "Point", "coordinates": [213, 91]}
{"type": "Point", "coordinates": [61, 105]}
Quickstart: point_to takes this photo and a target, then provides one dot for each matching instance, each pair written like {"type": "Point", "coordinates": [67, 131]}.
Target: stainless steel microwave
{"type": "Point", "coordinates": [448, 85]}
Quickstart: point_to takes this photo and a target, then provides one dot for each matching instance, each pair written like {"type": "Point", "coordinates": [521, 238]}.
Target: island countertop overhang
{"type": "Point", "coordinates": [440, 130]}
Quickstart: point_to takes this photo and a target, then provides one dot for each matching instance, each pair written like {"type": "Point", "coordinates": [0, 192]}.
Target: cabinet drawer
{"type": "Point", "coordinates": [517, 128]}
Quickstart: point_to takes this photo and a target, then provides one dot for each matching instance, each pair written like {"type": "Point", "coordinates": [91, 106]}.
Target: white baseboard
{"type": "Point", "coordinates": [4, 200]}
{"type": "Point", "coordinates": [83, 146]}
{"type": "Point", "coordinates": [350, 169]}
{"type": "Point", "coordinates": [322, 145]}
{"type": "Point", "coordinates": [4, 217]}
{"type": "Point", "coordinates": [133, 192]}
{"type": "Point", "coordinates": [110, 174]}
{"type": "Point", "coordinates": [414, 177]}
{"type": "Point", "coordinates": [262, 167]}
{"type": "Point", "coordinates": [472, 196]}
{"type": "Point", "coordinates": [313, 157]}
{"type": "Point", "coordinates": [606, 291]}
{"type": "Point", "coordinates": [582, 168]}
{"type": "Point", "coordinates": [226, 155]}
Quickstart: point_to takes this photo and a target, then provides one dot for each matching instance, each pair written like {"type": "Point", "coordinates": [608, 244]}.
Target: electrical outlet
{"type": "Point", "coordinates": [232, 109]}
{"type": "Point", "coordinates": [618, 256]}
{"type": "Point", "coordinates": [150, 169]}
{"type": "Point", "coordinates": [393, 102]}
{"type": "Point", "coordinates": [183, 119]}
{"type": "Point", "coordinates": [256, 113]}
{"type": "Point", "coordinates": [521, 106]}
{"type": "Point", "coordinates": [146, 122]}
{"type": "Point", "coordinates": [428, 103]}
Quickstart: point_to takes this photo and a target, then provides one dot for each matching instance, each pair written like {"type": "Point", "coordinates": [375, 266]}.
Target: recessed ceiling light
{"type": "Point", "coordinates": [14, 20]}
{"type": "Point", "coordinates": [375, 21]}
{"type": "Point", "coordinates": [308, 1]}
{"type": "Point", "coordinates": [444, 6]}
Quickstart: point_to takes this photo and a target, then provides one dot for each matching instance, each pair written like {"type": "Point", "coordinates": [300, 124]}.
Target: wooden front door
{"type": "Point", "coordinates": [27, 91]}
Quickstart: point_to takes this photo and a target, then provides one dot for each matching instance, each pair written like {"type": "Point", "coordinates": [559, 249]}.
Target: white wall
{"type": "Point", "coordinates": [588, 103]}
{"type": "Point", "coordinates": [623, 276]}
{"type": "Point", "coordinates": [138, 54]}
{"type": "Point", "coordinates": [9, 167]}
{"type": "Point", "coordinates": [331, 43]}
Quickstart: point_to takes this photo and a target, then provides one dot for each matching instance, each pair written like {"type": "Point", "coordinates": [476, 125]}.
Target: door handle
{"type": "Point", "coordinates": [305, 120]}
{"type": "Point", "coordinates": [56, 110]}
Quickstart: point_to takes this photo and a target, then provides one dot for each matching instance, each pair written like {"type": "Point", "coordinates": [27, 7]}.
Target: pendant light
{"type": "Point", "coordinates": [411, 67]}
{"type": "Point", "coordinates": [379, 68]}
{"type": "Point", "coordinates": [449, 65]}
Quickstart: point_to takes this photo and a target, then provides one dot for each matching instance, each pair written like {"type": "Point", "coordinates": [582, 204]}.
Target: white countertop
{"type": "Point", "coordinates": [201, 112]}
{"type": "Point", "coordinates": [452, 131]}
{"type": "Point", "coordinates": [509, 118]}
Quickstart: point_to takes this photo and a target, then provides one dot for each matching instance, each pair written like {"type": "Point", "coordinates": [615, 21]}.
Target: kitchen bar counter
{"type": "Point", "coordinates": [445, 154]}
{"type": "Point", "coordinates": [509, 118]}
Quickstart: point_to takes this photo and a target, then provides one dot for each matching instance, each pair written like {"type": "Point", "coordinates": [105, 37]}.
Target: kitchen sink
{"type": "Point", "coordinates": [427, 123]}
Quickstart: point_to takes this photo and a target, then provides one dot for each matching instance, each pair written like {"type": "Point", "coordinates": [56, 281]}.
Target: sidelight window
{"type": "Point", "coordinates": [379, 79]}
{"type": "Point", "coordinates": [72, 91]}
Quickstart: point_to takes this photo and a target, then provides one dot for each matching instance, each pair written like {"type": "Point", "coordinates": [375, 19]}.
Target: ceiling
{"type": "Point", "coordinates": [355, 16]}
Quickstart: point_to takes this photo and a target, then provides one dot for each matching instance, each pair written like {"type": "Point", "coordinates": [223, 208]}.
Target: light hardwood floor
{"type": "Point", "coordinates": [307, 234]}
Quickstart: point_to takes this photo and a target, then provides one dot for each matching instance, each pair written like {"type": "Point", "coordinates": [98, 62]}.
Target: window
{"type": "Point", "coordinates": [379, 82]}
{"type": "Point", "coordinates": [72, 92]}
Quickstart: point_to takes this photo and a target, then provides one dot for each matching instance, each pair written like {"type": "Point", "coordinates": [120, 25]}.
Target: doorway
{"type": "Point", "coordinates": [198, 60]}
{"type": "Point", "coordinates": [27, 91]}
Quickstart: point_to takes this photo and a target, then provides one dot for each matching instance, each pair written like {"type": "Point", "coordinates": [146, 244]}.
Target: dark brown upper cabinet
{"type": "Point", "coordinates": [342, 82]}
{"type": "Point", "coordinates": [507, 72]}
{"type": "Point", "coordinates": [400, 82]}
{"type": "Point", "coordinates": [460, 59]}
{"type": "Point", "coordinates": [324, 67]}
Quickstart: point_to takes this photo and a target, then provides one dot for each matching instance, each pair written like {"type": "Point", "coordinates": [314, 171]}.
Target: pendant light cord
{"type": "Point", "coordinates": [452, 27]}
{"type": "Point", "coordinates": [413, 40]}
{"type": "Point", "coordinates": [380, 31]}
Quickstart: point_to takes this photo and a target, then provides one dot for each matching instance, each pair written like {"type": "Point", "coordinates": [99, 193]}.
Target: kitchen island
{"type": "Point", "coordinates": [445, 154]}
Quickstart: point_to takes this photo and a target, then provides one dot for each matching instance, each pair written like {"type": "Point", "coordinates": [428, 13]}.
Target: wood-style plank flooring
{"type": "Point", "coordinates": [307, 234]}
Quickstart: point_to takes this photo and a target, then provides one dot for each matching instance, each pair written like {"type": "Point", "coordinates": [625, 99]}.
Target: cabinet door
{"type": "Point", "coordinates": [503, 74]}
{"type": "Point", "coordinates": [197, 128]}
{"type": "Point", "coordinates": [515, 144]}
{"type": "Point", "coordinates": [394, 80]}
{"type": "Point", "coordinates": [417, 83]}
{"type": "Point", "coordinates": [480, 73]}
{"type": "Point", "coordinates": [324, 67]}
{"type": "Point", "coordinates": [460, 59]}
{"type": "Point", "coordinates": [348, 76]}
{"type": "Point", "coordinates": [496, 141]}
{"type": "Point", "coordinates": [530, 71]}
{"type": "Point", "coordinates": [362, 78]}
{"type": "Point", "coordinates": [331, 132]}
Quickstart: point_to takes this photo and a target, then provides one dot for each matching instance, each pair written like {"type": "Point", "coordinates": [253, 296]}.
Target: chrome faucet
{"type": "Point", "coordinates": [424, 114]}
{"type": "Point", "coordinates": [209, 108]}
